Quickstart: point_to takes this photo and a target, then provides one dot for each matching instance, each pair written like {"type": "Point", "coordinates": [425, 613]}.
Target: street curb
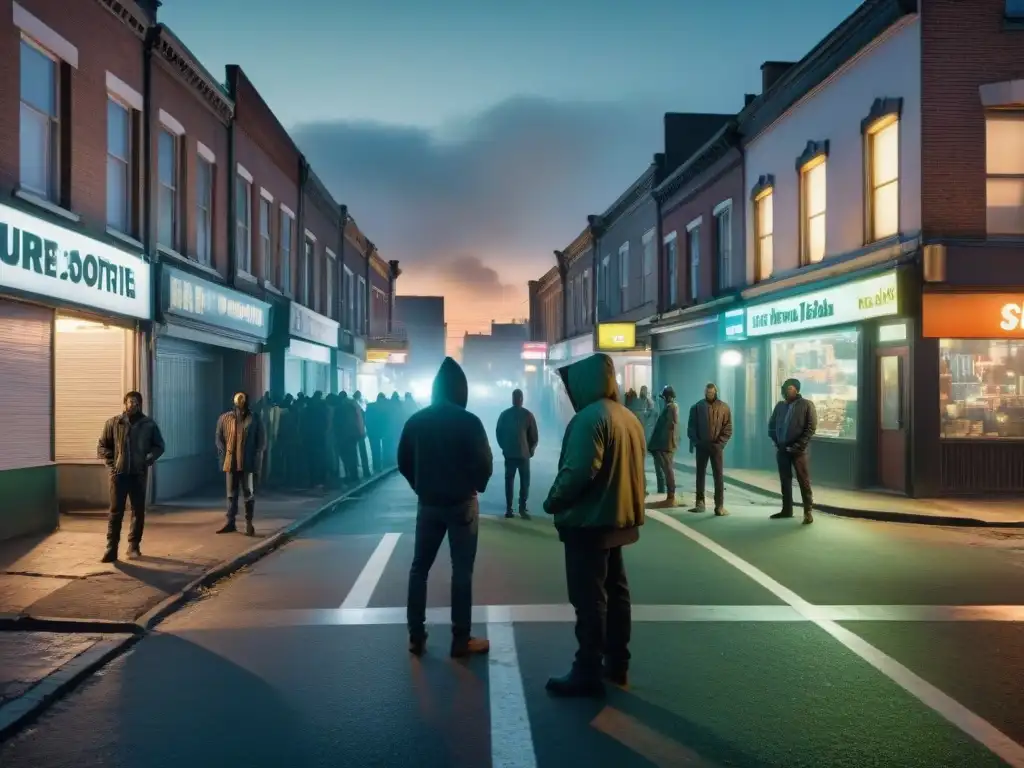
{"type": "Point", "coordinates": [19, 712]}
{"type": "Point", "coordinates": [881, 516]}
{"type": "Point", "coordinates": [172, 603]}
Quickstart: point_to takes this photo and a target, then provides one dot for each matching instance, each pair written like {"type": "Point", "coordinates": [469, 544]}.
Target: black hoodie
{"type": "Point", "coordinates": [444, 452]}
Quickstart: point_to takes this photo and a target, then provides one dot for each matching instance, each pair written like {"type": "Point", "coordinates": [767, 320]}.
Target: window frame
{"type": "Point", "coordinates": [348, 288]}
{"type": "Point", "coordinates": [765, 197]}
{"type": "Point", "coordinates": [54, 126]}
{"type": "Point", "coordinates": [1001, 115]}
{"type": "Point", "coordinates": [871, 131]}
{"type": "Point", "coordinates": [723, 256]}
{"type": "Point", "coordinates": [330, 264]}
{"type": "Point", "coordinates": [243, 244]}
{"type": "Point", "coordinates": [671, 245]}
{"type": "Point", "coordinates": [693, 231]}
{"type": "Point", "coordinates": [266, 253]}
{"type": "Point", "coordinates": [285, 250]}
{"type": "Point", "coordinates": [624, 277]}
{"type": "Point", "coordinates": [361, 306]}
{"type": "Point", "coordinates": [648, 284]}
{"type": "Point", "coordinates": [176, 143]}
{"type": "Point", "coordinates": [308, 262]}
{"type": "Point", "coordinates": [128, 163]}
{"type": "Point", "coordinates": [806, 217]}
{"type": "Point", "coordinates": [203, 162]}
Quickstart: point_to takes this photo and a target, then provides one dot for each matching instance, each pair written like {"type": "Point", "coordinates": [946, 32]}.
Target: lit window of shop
{"type": "Point", "coordinates": [1004, 150]}
{"type": "Point", "coordinates": [883, 143]}
{"type": "Point", "coordinates": [980, 388]}
{"type": "Point", "coordinates": [812, 205]}
{"type": "Point", "coordinates": [826, 365]}
{"type": "Point", "coordinates": [764, 225]}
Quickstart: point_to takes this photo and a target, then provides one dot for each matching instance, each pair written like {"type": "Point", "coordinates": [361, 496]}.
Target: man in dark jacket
{"type": "Point", "coordinates": [364, 460]}
{"type": "Point", "coordinates": [791, 427]}
{"type": "Point", "coordinates": [709, 429]}
{"type": "Point", "coordinates": [240, 441]}
{"type": "Point", "coordinates": [444, 454]}
{"type": "Point", "coordinates": [129, 445]}
{"type": "Point", "coordinates": [517, 438]}
{"type": "Point", "coordinates": [597, 501]}
{"type": "Point", "coordinates": [663, 443]}
{"type": "Point", "coordinates": [377, 429]}
{"type": "Point", "coordinates": [349, 431]}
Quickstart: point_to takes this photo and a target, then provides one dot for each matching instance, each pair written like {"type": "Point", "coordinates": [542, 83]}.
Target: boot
{"type": "Point", "coordinates": [668, 503]}
{"type": "Point", "coordinates": [250, 512]}
{"type": "Point", "coordinates": [616, 674]}
{"type": "Point", "coordinates": [229, 527]}
{"type": "Point", "coordinates": [110, 554]}
{"type": "Point", "coordinates": [576, 684]}
{"type": "Point", "coordinates": [523, 513]}
{"type": "Point", "coordinates": [134, 553]}
{"type": "Point", "coordinates": [469, 646]}
{"type": "Point", "coordinates": [509, 514]}
{"type": "Point", "coordinates": [808, 517]}
{"type": "Point", "coordinates": [418, 644]}
{"type": "Point", "coordinates": [783, 515]}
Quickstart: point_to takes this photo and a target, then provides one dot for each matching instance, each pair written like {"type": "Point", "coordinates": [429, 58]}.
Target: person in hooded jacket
{"type": "Point", "coordinates": [377, 429]}
{"type": "Point", "coordinates": [396, 423]}
{"type": "Point", "coordinates": [597, 500]}
{"type": "Point", "coordinates": [445, 456]}
{"type": "Point", "coordinates": [517, 438]}
{"type": "Point", "coordinates": [349, 431]}
{"type": "Point", "coordinates": [129, 445]}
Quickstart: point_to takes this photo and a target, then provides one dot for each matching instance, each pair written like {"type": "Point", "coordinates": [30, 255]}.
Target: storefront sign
{"type": "Point", "coordinates": [307, 324]}
{"type": "Point", "coordinates": [51, 261]}
{"type": "Point", "coordinates": [535, 350]}
{"type": "Point", "coordinates": [733, 325]}
{"type": "Point", "coordinates": [850, 303]}
{"type": "Point", "coordinates": [612, 336]}
{"type": "Point", "coordinates": [385, 356]}
{"type": "Point", "coordinates": [188, 296]}
{"type": "Point", "coordinates": [973, 316]}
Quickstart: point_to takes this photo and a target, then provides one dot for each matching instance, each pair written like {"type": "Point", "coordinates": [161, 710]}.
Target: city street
{"type": "Point", "coordinates": [756, 643]}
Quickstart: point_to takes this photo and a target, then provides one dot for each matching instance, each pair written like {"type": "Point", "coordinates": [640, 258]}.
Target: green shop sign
{"type": "Point", "coordinates": [186, 296]}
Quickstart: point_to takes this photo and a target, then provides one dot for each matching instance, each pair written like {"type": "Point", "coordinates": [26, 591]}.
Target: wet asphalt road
{"type": "Point", "coordinates": [267, 672]}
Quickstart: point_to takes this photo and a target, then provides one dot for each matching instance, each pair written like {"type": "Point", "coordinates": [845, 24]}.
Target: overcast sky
{"type": "Point", "coordinates": [471, 139]}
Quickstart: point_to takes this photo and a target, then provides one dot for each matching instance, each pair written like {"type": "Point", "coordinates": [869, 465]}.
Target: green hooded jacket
{"type": "Point", "coordinates": [600, 482]}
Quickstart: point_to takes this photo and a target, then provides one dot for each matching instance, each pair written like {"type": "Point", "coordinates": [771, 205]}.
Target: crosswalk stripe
{"type": "Point", "coordinates": [362, 591]}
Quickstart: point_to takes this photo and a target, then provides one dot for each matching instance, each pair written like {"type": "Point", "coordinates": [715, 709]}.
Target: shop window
{"type": "Point", "coordinates": [1004, 150]}
{"type": "Point", "coordinates": [826, 365]}
{"type": "Point", "coordinates": [624, 277]}
{"type": "Point", "coordinates": [168, 172]}
{"type": "Point", "coordinates": [764, 224]}
{"type": "Point", "coordinates": [980, 388]}
{"type": "Point", "coordinates": [883, 143]}
{"type": "Point", "coordinates": [287, 225]}
{"type": "Point", "coordinates": [119, 166]}
{"type": "Point", "coordinates": [204, 210]}
{"type": "Point", "coordinates": [243, 223]}
{"type": "Point", "coordinates": [39, 124]}
{"type": "Point", "coordinates": [812, 204]}
{"type": "Point", "coordinates": [672, 269]}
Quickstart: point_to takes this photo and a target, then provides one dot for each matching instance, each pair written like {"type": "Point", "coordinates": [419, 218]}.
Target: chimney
{"type": "Point", "coordinates": [771, 71]}
{"type": "Point", "coordinates": [748, 98]}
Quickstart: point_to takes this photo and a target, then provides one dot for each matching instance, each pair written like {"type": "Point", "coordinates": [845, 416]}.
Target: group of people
{"type": "Point", "coordinates": [597, 500]}
{"type": "Point", "coordinates": [298, 443]}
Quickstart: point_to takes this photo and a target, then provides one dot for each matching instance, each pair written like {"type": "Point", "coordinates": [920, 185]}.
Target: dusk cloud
{"type": "Point", "coordinates": [482, 204]}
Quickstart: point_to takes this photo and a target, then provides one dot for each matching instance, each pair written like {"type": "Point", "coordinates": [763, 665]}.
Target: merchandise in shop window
{"type": "Point", "coordinates": [980, 388]}
{"type": "Point", "coordinates": [826, 366]}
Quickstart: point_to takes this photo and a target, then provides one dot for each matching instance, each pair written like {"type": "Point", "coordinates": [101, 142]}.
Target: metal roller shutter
{"type": "Point", "coordinates": [26, 333]}
{"type": "Point", "coordinates": [94, 368]}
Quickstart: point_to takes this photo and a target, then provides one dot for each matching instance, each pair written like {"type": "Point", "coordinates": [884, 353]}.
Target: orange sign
{"type": "Point", "coordinates": [973, 316]}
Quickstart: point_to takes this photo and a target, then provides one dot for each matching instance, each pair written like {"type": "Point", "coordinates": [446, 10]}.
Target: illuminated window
{"type": "Point", "coordinates": [1004, 145]}
{"type": "Point", "coordinates": [764, 224]}
{"type": "Point", "coordinates": [884, 179]}
{"type": "Point", "coordinates": [812, 204]}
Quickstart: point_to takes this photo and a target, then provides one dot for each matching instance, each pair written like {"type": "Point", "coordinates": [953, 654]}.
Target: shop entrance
{"type": "Point", "coordinates": [892, 431]}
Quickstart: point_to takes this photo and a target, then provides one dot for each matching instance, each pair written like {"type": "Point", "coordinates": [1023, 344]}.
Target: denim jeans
{"type": "Point", "coordinates": [461, 524]}
{"type": "Point", "coordinates": [512, 466]}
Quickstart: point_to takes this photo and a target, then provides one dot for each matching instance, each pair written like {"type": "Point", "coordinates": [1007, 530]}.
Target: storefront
{"type": "Point", "coordinates": [310, 357]}
{"type": "Point", "coordinates": [978, 390]}
{"type": "Point", "coordinates": [632, 359]}
{"type": "Point", "coordinates": [851, 360]}
{"type": "Point", "coordinates": [209, 345]}
{"type": "Point", "coordinates": [380, 373]}
{"type": "Point", "coordinates": [350, 356]}
{"type": "Point", "coordinates": [71, 315]}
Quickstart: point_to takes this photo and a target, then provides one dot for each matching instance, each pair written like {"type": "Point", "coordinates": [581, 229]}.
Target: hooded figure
{"type": "Point", "coordinates": [517, 438]}
{"type": "Point", "coordinates": [129, 445]}
{"type": "Point", "coordinates": [708, 429]}
{"type": "Point", "coordinates": [662, 445]}
{"type": "Point", "coordinates": [377, 428]}
{"type": "Point", "coordinates": [597, 501]}
{"type": "Point", "coordinates": [791, 427]}
{"type": "Point", "coordinates": [241, 441]}
{"type": "Point", "coordinates": [349, 431]}
{"type": "Point", "coordinates": [444, 455]}
{"type": "Point", "coordinates": [396, 423]}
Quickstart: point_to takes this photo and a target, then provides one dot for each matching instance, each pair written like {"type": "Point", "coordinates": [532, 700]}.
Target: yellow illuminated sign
{"type": "Point", "coordinates": [376, 355]}
{"type": "Point", "coordinates": [616, 336]}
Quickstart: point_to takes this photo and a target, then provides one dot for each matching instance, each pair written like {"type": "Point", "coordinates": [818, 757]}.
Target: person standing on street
{"type": "Point", "coordinates": [376, 420]}
{"type": "Point", "coordinates": [445, 456]}
{"type": "Point", "coordinates": [364, 460]}
{"type": "Point", "coordinates": [791, 427]}
{"type": "Point", "coordinates": [597, 501]}
{"type": "Point", "coordinates": [129, 445]}
{"type": "Point", "coordinates": [663, 444]}
{"type": "Point", "coordinates": [240, 441]}
{"type": "Point", "coordinates": [709, 429]}
{"type": "Point", "coordinates": [517, 438]}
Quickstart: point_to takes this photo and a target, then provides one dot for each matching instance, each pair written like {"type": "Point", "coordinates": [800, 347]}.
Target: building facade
{"type": "Point", "coordinates": [150, 227]}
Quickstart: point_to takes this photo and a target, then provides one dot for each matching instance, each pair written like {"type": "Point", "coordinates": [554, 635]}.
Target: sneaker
{"type": "Point", "coordinates": [471, 646]}
{"type": "Point", "coordinates": [700, 509]}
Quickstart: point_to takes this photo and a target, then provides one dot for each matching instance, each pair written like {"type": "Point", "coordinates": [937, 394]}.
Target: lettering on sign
{"type": "Point", "coordinates": [1012, 316]}
{"type": "Point", "coordinates": [317, 328]}
{"type": "Point", "coordinates": [35, 253]}
{"type": "Point", "coordinates": [850, 303]}
{"type": "Point", "coordinates": [194, 299]}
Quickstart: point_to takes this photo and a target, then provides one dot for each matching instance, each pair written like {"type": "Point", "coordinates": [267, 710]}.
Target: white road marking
{"type": "Point", "coordinates": [511, 737]}
{"type": "Point", "coordinates": [654, 747]}
{"type": "Point", "coordinates": [361, 592]}
{"type": "Point", "coordinates": [971, 724]}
